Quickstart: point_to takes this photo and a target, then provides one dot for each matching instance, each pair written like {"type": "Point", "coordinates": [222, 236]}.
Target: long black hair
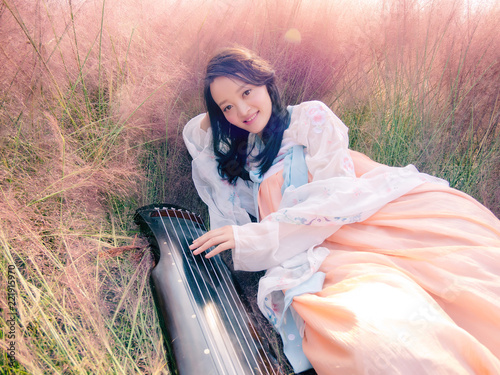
{"type": "Point", "coordinates": [230, 142]}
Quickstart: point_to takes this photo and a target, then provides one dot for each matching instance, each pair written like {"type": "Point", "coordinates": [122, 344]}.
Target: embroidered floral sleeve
{"type": "Point", "coordinates": [225, 201]}
{"type": "Point", "coordinates": [326, 140]}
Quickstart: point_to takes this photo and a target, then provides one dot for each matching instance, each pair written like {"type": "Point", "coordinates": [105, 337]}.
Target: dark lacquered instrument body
{"type": "Point", "coordinates": [208, 327]}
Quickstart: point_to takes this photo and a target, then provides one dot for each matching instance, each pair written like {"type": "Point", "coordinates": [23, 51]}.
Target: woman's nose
{"type": "Point", "coordinates": [243, 109]}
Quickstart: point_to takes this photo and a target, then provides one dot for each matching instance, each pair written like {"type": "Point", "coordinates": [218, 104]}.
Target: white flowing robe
{"type": "Point", "coordinates": [287, 243]}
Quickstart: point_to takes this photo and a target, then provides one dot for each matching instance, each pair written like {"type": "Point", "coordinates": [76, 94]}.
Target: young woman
{"type": "Point", "coordinates": [370, 268]}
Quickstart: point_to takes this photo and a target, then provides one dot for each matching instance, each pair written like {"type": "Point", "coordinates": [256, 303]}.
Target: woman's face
{"type": "Point", "coordinates": [244, 105]}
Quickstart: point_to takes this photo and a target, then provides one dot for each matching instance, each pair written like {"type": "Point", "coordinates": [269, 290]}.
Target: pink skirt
{"type": "Point", "coordinates": [414, 289]}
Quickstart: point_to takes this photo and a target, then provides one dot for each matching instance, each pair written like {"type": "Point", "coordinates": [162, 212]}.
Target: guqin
{"type": "Point", "coordinates": [206, 323]}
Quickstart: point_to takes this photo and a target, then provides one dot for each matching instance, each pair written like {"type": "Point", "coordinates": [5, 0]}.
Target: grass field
{"type": "Point", "coordinates": [93, 98]}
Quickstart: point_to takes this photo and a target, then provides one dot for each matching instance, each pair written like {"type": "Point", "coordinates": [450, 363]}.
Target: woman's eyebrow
{"type": "Point", "coordinates": [242, 87]}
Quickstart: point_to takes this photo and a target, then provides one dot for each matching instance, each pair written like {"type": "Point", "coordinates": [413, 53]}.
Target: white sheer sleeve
{"type": "Point", "coordinates": [224, 200]}
{"type": "Point", "coordinates": [311, 213]}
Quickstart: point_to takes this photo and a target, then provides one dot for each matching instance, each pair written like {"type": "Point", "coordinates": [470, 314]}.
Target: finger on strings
{"type": "Point", "coordinates": [200, 250]}
{"type": "Point", "coordinates": [217, 250]}
{"type": "Point", "coordinates": [211, 238]}
{"type": "Point", "coordinates": [197, 242]}
{"type": "Point", "coordinates": [201, 246]}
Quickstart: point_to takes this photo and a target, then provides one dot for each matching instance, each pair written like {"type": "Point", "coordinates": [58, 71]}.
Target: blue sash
{"type": "Point", "coordinates": [294, 174]}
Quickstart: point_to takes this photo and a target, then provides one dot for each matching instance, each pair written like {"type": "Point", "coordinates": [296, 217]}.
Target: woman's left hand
{"type": "Point", "coordinates": [221, 238]}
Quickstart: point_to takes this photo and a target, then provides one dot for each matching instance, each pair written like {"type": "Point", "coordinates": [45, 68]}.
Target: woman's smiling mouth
{"type": "Point", "coordinates": [249, 120]}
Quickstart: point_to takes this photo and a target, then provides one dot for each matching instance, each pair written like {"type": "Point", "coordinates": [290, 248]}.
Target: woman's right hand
{"type": "Point", "coordinates": [222, 239]}
{"type": "Point", "coordinates": [205, 123]}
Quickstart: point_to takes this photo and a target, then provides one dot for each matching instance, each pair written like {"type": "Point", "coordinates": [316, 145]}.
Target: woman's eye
{"type": "Point", "coordinates": [246, 93]}
{"type": "Point", "coordinates": [227, 108]}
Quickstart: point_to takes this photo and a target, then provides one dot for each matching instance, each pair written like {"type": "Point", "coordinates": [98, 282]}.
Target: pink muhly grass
{"type": "Point", "coordinates": [94, 95]}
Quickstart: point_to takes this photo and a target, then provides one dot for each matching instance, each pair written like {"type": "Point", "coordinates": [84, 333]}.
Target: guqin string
{"type": "Point", "coordinates": [208, 326]}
